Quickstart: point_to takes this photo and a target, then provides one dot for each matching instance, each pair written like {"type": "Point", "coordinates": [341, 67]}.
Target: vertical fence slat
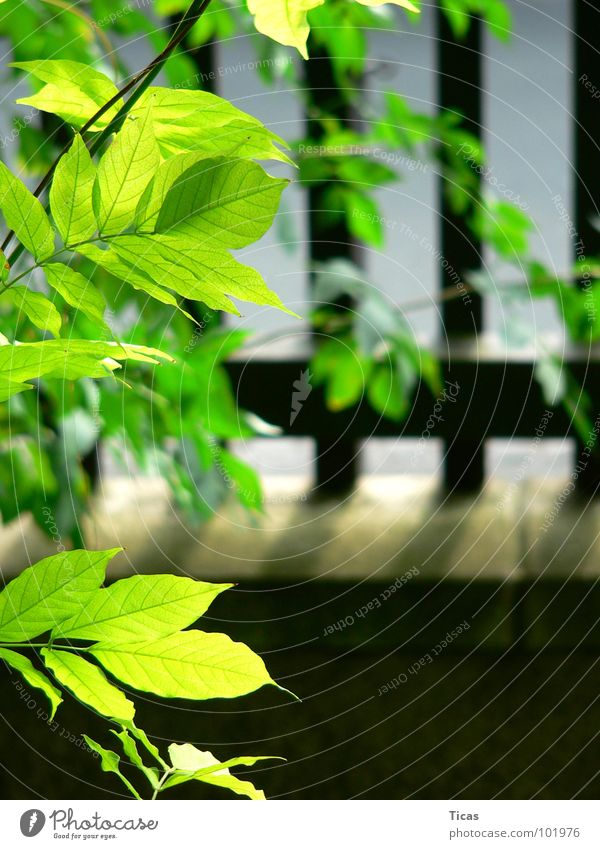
{"type": "Point", "coordinates": [459, 89]}
{"type": "Point", "coordinates": [586, 90]}
{"type": "Point", "coordinates": [337, 458]}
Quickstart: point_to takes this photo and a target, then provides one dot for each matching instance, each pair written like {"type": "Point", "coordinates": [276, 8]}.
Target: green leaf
{"type": "Point", "coordinates": [131, 751]}
{"type": "Point", "coordinates": [504, 226]}
{"type": "Point", "coordinates": [242, 478]}
{"type": "Point", "coordinates": [39, 310]}
{"type": "Point", "coordinates": [193, 764]}
{"type": "Point", "coordinates": [123, 173]}
{"type": "Point", "coordinates": [284, 21]}
{"type": "Point", "coordinates": [187, 665]}
{"type": "Point", "coordinates": [25, 215]}
{"type": "Point", "coordinates": [8, 388]}
{"type": "Point", "coordinates": [405, 4]}
{"type": "Point", "coordinates": [74, 91]}
{"type": "Point", "coordinates": [498, 18]}
{"type": "Point", "coordinates": [49, 592]}
{"type": "Point", "coordinates": [231, 782]}
{"type": "Point", "coordinates": [141, 608]}
{"type": "Point", "coordinates": [109, 762]}
{"type": "Point", "coordinates": [33, 676]}
{"type": "Point", "coordinates": [111, 262]}
{"type": "Point", "coordinates": [344, 373]}
{"type": "Point", "coordinates": [385, 394]}
{"type": "Point", "coordinates": [156, 191]}
{"type": "Point", "coordinates": [71, 194]}
{"type": "Point", "coordinates": [458, 14]}
{"type": "Point", "coordinates": [88, 684]}
{"type": "Point", "coordinates": [146, 256]}
{"type": "Point", "coordinates": [77, 291]}
{"type": "Point", "coordinates": [363, 217]}
{"type": "Point", "coordinates": [186, 121]}
{"type": "Point", "coordinates": [232, 202]}
{"type": "Point", "coordinates": [200, 273]}
{"type": "Point", "coordinates": [551, 374]}
{"type": "Point", "coordinates": [70, 359]}
{"type": "Point", "coordinates": [141, 736]}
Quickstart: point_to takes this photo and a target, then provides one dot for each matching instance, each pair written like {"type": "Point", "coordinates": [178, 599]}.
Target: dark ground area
{"type": "Point", "coordinates": [489, 722]}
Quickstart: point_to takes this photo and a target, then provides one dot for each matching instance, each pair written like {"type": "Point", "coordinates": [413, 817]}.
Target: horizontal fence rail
{"type": "Point", "coordinates": [491, 397]}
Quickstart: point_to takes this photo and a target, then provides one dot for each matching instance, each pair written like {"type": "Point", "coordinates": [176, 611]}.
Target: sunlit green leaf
{"type": "Point", "coordinates": [33, 676]}
{"type": "Point", "coordinates": [109, 762]}
{"type": "Point", "coordinates": [284, 21]}
{"type": "Point", "coordinates": [200, 273]}
{"type": "Point", "coordinates": [140, 608]}
{"type": "Point", "coordinates": [124, 172]}
{"type": "Point", "coordinates": [193, 764]}
{"type": "Point", "coordinates": [77, 291]}
{"type": "Point", "coordinates": [221, 202]}
{"type": "Point", "coordinates": [74, 91]}
{"type": "Point", "coordinates": [49, 592]}
{"type": "Point", "coordinates": [88, 684]}
{"type": "Point", "coordinates": [197, 121]}
{"type": "Point", "coordinates": [111, 262]}
{"type": "Point", "coordinates": [39, 310]}
{"type": "Point", "coordinates": [70, 359]}
{"type": "Point", "coordinates": [131, 751]}
{"type": "Point", "coordinates": [25, 215]}
{"type": "Point", "coordinates": [71, 194]}
{"type": "Point", "coordinates": [187, 665]}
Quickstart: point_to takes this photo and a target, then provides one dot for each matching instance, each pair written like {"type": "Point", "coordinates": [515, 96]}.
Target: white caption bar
{"type": "Point", "coordinates": [302, 824]}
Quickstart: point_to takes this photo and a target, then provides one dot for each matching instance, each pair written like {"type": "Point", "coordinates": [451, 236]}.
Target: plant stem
{"type": "Point", "coordinates": [166, 774]}
{"type": "Point", "coordinates": [144, 77]}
